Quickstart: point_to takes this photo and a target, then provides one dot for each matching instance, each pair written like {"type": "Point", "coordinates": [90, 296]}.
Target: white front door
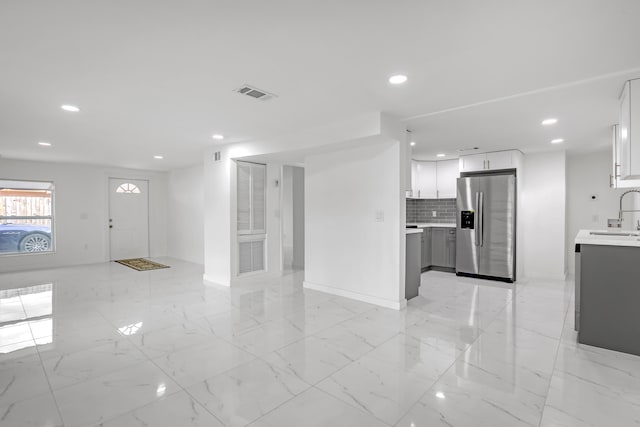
{"type": "Point", "coordinates": [128, 218]}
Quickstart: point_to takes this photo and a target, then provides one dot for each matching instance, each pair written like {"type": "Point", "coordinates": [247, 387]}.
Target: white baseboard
{"type": "Point", "coordinates": [209, 280]}
{"type": "Point", "coordinates": [356, 296]}
{"type": "Point", "coordinates": [543, 276]}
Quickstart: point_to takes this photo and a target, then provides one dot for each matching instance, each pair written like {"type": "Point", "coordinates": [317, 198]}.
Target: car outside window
{"type": "Point", "coordinates": [26, 217]}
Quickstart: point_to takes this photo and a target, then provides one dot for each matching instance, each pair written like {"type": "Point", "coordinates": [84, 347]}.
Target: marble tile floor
{"type": "Point", "coordinates": [104, 345]}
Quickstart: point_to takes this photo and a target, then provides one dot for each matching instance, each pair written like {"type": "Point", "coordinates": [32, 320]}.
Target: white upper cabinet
{"type": "Point", "coordinates": [473, 162]}
{"type": "Point", "coordinates": [628, 136]}
{"type": "Point", "coordinates": [615, 180]}
{"type": "Point", "coordinates": [434, 180]}
{"type": "Point", "coordinates": [448, 174]}
{"type": "Point", "coordinates": [426, 180]}
{"type": "Point", "coordinates": [497, 160]}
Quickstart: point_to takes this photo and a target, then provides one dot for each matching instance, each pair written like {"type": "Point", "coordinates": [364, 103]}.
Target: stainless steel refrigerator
{"type": "Point", "coordinates": [486, 227]}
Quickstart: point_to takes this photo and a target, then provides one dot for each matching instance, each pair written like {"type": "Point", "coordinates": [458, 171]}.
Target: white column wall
{"type": "Point", "coordinates": [543, 215]}
{"type": "Point", "coordinates": [353, 223]}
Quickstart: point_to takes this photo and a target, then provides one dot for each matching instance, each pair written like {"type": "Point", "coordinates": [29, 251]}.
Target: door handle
{"type": "Point", "coordinates": [477, 219]}
{"type": "Point", "coordinates": [481, 219]}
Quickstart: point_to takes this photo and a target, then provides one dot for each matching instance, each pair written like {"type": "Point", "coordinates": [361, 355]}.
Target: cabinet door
{"type": "Point", "coordinates": [426, 247]}
{"type": "Point", "coordinates": [414, 179]}
{"type": "Point", "coordinates": [439, 247]}
{"type": "Point", "coordinates": [473, 162]}
{"type": "Point", "coordinates": [427, 180]}
{"type": "Point", "coordinates": [500, 160]}
{"type": "Point", "coordinates": [448, 173]}
{"type": "Point", "coordinates": [623, 135]}
{"type": "Point", "coordinates": [629, 132]}
{"type": "Point", "coordinates": [634, 129]}
{"type": "Point", "coordinates": [615, 179]}
{"type": "Point", "coordinates": [451, 247]}
{"type": "Point", "coordinates": [408, 169]}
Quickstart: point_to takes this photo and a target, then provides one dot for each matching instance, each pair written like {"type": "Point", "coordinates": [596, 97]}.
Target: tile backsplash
{"type": "Point", "coordinates": [421, 210]}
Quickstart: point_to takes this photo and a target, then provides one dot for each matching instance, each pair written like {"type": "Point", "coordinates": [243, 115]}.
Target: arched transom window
{"type": "Point", "coordinates": [128, 188]}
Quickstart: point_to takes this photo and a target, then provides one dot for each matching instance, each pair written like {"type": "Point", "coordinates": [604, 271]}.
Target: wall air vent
{"type": "Point", "coordinates": [256, 93]}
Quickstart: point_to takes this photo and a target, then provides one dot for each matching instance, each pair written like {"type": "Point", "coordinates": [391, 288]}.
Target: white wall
{"type": "Point", "coordinates": [185, 231]}
{"type": "Point", "coordinates": [348, 252]}
{"type": "Point", "coordinates": [543, 215]}
{"type": "Point", "coordinates": [588, 174]}
{"type": "Point", "coordinates": [218, 221]}
{"type": "Point", "coordinates": [81, 212]}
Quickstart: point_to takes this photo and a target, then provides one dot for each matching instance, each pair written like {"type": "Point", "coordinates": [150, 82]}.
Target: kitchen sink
{"type": "Point", "coordinates": [615, 233]}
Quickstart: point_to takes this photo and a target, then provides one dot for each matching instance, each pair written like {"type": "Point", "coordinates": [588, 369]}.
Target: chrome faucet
{"type": "Point", "coordinates": [629, 210]}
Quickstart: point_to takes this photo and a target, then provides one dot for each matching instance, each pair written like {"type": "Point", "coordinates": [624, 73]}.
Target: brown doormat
{"type": "Point", "coordinates": [141, 264]}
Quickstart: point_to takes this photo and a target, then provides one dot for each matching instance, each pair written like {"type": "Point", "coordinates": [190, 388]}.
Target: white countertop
{"type": "Point", "coordinates": [414, 230]}
{"type": "Point", "coordinates": [585, 237]}
{"type": "Point", "coordinates": [432, 224]}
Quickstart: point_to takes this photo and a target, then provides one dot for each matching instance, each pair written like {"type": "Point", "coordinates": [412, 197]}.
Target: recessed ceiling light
{"type": "Point", "coordinates": [547, 122]}
{"type": "Point", "coordinates": [71, 108]}
{"type": "Point", "coordinates": [412, 143]}
{"type": "Point", "coordinates": [397, 79]}
{"type": "Point", "coordinates": [557, 141]}
{"type": "Point", "coordinates": [217, 136]}
{"type": "Point", "coordinates": [158, 157]}
{"type": "Point", "coordinates": [44, 144]}
{"type": "Point", "coordinates": [440, 395]}
{"type": "Point", "coordinates": [440, 155]}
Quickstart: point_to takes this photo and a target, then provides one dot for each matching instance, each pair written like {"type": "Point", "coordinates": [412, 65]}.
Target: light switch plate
{"type": "Point", "coordinates": [434, 213]}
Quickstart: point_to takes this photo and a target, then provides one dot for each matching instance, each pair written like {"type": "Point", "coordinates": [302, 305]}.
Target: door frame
{"type": "Point", "coordinates": [148, 180]}
{"type": "Point", "coordinates": [281, 204]}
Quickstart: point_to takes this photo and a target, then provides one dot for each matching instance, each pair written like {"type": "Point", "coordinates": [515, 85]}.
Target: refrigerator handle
{"type": "Point", "coordinates": [477, 219]}
{"type": "Point", "coordinates": [481, 218]}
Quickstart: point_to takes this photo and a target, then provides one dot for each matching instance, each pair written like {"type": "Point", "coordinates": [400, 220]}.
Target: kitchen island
{"type": "Point", "coordinates": [608, 289]}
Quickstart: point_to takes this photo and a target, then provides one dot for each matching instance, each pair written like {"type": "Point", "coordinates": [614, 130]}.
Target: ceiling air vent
{"type": "Point", "coordinates": [256, 93]}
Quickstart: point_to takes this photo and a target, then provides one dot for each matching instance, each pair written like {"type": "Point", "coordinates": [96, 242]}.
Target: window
{"type": "Point", "coordinates": [128, 188]}
{"type": "Point", "coordinates": [26, 217]}
{"type": "Point", "coordinates": [251, 198]}
{"type": "Point", "coordinates": [251, 202]}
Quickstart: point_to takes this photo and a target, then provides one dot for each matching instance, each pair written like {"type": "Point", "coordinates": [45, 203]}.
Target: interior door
{"type": "Point", "coordinates": [497, 245]}
{"type": "Point", "coordinates": [128, 218]}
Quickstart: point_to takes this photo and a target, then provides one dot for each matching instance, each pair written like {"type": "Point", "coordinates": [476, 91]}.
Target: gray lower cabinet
{"type": "Point", "coordinates": [426, 248]}
{"type": "Point", "coordinates": [607, 295]}
{"type": "Point", "coordinates": [451, 247]}
{"type": "Point", "coordinates": [443, 247]}
{"type": "Point", "coordinates": [412, 265]}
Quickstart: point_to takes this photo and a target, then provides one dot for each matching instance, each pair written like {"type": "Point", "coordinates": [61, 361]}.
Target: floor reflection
{"type": "Point", "coordinates": [26, 316]}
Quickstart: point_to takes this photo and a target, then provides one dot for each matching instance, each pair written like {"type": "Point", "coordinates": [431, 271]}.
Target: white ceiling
{"type": "Point", "coordinates": [156, 77]}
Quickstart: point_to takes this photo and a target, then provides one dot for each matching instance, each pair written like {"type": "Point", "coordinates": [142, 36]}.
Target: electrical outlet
{"type": "Point", "coordinates": [379, 216]}
{"type": "Point", "coordinates": [434, 213]}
